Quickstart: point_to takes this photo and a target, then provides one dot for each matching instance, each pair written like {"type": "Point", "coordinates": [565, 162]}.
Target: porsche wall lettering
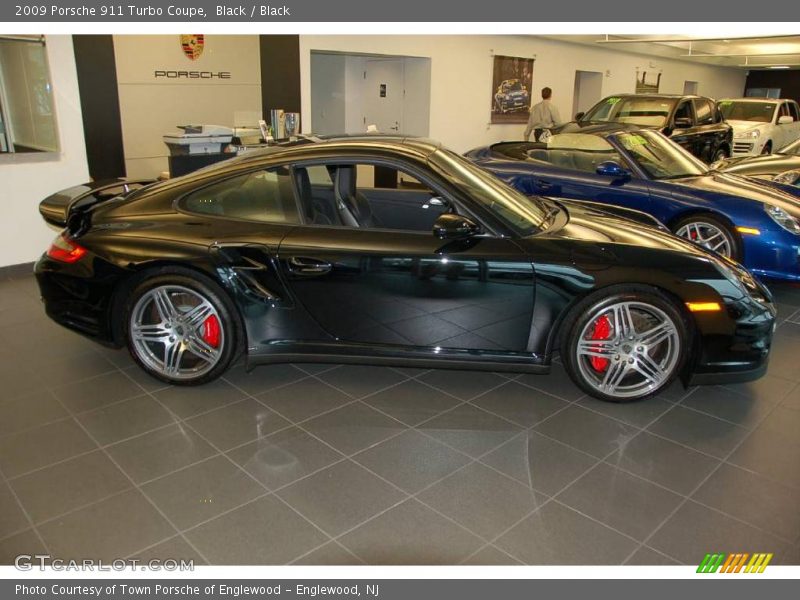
{"type": "Point", "coordinates": [192, 46]}
{"type": "Point", "coordinates": [175, 74]}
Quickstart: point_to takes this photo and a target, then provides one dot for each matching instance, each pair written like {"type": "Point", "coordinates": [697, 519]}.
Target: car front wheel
{"type": "Point", "coordinates": [709, 232]}
{"type": "Point", "coordinates": [181, 328]}
{"type": "Point", "coordinates": [625, 346]}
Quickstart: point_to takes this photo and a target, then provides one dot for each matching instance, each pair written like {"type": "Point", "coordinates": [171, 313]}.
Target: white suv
{"type": "Point", "coordinates": [761, 125]}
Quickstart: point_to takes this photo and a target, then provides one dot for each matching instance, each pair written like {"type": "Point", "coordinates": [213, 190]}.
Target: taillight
{"type": "Point", "coordinates": [65, 250]}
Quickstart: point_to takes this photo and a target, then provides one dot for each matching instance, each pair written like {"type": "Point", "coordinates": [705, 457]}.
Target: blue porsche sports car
{"type": "Point", "coordinates": [753, 221]}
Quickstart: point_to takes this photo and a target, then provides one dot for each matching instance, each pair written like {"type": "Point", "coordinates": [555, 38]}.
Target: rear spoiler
{"type": "Point", "coordinates": [61, 206]}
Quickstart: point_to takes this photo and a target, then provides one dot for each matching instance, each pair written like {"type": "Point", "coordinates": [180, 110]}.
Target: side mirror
{"type": "Point", "coordinates": [579, 116]}
{"type": "Point", "coordinates": [683, 123]}
{"type": "Point", "coordinates": [452, 227]}
{"type": "Point", "coordinates": [612, 169]}
{"type": "Point", "coordinates": [785, 119]}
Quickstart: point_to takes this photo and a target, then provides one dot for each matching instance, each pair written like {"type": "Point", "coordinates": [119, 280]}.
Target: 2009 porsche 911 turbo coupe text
{"type": "Point", "coordinates": [392, 250]}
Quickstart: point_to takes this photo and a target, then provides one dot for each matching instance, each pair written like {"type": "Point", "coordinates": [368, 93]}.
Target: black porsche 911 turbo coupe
{"type": "Point", "coordinates": [392, 250]}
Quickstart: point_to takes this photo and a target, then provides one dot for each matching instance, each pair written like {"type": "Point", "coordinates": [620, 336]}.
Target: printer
{"type": "Point", "coordinates": [198, 139]}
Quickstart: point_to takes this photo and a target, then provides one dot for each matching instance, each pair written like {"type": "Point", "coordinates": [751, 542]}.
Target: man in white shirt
{"type": "Point", "coordinates": [543, 116]}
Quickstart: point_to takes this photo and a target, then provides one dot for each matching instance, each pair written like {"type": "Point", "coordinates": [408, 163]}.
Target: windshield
{"type": "Point", "coordinates": [645, 111]}
{"type": "Point", "coordinates": [793, 148]}
{"type": "Point", "coordinates": [660, 158]}
{"type": "Point", "coordinates": [758, 112]}
{"type": "Point", "coordinates": [524, 215]}
{"type": "Point", "coordinates": [512, 86]}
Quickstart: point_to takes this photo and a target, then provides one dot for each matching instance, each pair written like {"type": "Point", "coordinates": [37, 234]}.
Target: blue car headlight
{"type": "Point", "coordinates": [788, 178]}
{"type": "Point", "coordinates": [783, 218]}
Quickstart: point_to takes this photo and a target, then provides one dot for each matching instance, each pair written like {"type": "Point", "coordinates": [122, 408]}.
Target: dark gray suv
{"type": "Point", "coordinates": [694, 122]}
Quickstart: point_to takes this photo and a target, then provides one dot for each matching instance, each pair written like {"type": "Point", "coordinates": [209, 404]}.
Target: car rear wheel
{"type": "Point", "coordinates": [625, 346]}
{"type": "Point", "coordinates": [709, 232]}
{"type": "Point", "coordinates": [767, 148]}
{"type": "Point", "coordinates": [181, 329]}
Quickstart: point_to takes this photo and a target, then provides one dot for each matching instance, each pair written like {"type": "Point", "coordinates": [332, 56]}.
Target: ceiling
{"type": "Point", "coordinates": [766, 52]}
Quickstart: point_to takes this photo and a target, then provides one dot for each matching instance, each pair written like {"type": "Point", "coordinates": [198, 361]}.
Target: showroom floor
{"type": "Point", "coordinates": [324, 464]}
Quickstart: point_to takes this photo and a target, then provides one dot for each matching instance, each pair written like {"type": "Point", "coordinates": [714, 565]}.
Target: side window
{"type": "Point", "coordinates": [367, 196]}
{"type": "Point", "coordinates": [684, 111]}
{"type": "Point", "coordinates": [704, 111]}
{"type": "Point", "coordinates": [793, 110]}
{"type": "Point", "coordinates": [783, 111]}
{"type": "Point", "coordinates": [257, 196]}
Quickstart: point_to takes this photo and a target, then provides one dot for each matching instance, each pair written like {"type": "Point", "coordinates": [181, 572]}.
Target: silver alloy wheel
{"type": "Point", "coordinates": [707, 235]}
{"type": "Point", "coordinates": [167, 330]}
{"type": "Point", "coordinates": [637, 357]}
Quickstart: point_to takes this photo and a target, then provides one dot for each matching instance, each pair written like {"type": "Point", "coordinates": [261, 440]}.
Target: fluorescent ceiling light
{"type": "Point", "coordinates": [778, 67]}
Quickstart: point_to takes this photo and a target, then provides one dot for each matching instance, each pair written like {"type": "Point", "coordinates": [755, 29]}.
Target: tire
{"type": "Point", "coordinates": [181, 327]}
{"type": "Point", "coordinates": [767, 149]}
{"type": "Point", "coordinates": [710, 232]}
{"type": "Point", "coordinates": [720, 154]}
{"type": "Point", "coordinates": [619, 369]}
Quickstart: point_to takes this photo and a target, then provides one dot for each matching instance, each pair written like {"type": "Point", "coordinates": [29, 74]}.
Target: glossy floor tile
{"type": "Point", "coordinates": [331, 464]}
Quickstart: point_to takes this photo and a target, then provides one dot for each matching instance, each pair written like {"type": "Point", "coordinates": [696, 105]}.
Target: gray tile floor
{"type": "Point", "coordinates": [326, 464]}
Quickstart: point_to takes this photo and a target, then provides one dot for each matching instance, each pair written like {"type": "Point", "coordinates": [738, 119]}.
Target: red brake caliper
{"type": "Point", "coordinates": [600, 331]}
{"type": "Point", "coordinates": [211, 331]}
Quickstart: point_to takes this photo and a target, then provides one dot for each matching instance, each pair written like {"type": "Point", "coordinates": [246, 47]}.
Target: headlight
{"type": "Point", "coordinates": [741, 279]}
{"type": "Point", "coordinates": [787, 178]}
{"type": "Point", "coordinates": [753, 133]}
{"type": "Point", "coordinates": [782, 218]}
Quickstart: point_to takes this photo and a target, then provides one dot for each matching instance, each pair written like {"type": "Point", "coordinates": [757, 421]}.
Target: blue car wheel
{"type": "Point", "coordinates": [709, 232]}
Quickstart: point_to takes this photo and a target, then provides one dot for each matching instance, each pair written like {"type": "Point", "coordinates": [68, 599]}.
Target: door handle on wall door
{"type": "Point", "coordinates": [301, 265]}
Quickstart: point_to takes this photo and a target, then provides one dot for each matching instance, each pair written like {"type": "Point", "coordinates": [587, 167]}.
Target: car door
{"type": "Point", "coordinates": [786, 133]}
{"type": "Point", "coordinates": [683, 127]}
{"type": "Point", "coordinates": [385, 282]}
{"type": "Point", "coordinates": [707, 131]}
{"type": "Point", "coordinates": [794, 128]}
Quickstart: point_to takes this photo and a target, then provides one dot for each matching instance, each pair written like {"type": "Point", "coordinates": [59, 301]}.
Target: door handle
{"type": "Point", "coordinates": [543, 185]}
{"type": "Point", "coordinates": [301, 265]}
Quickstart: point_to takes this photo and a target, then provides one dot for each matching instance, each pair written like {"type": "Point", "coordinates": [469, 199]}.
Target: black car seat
{"type": "Point", "coordinates": [313, 210]}
{"type": "Point", "coordinates": [352, 205]}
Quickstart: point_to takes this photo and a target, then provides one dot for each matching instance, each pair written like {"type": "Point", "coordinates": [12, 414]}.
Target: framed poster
{"type": "Point", "coordinates": [511, 89]}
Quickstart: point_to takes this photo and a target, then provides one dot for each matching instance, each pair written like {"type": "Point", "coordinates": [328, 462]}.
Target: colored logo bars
{"type": "Point", "coordinates": [735, 563]}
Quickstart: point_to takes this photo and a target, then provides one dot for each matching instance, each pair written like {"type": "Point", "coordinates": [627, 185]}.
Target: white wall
{"type": "Point", "coordinates": [26, 180]}
{"type": "Point", "coordinates": [151, 107]}
{"type": "Point", "coordinates": [461, 76]}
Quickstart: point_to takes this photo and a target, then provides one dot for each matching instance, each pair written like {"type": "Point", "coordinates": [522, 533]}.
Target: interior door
{"type": "Point", "coordinates": [378, 287]}
{"type": "Point", "coordinates": [383, 94]}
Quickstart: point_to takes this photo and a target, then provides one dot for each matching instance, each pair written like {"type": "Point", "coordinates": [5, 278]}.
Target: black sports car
{"type": "Point", "coordinates": [694, 122]}
{"type": "Point", "coordinates": [782, 167]}
{"type": "Point", "coordinates": [392, 250]}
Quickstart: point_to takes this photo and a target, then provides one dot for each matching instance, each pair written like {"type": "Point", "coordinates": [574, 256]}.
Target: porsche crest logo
{"type": "Point", "coordinates": [193, 45]}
